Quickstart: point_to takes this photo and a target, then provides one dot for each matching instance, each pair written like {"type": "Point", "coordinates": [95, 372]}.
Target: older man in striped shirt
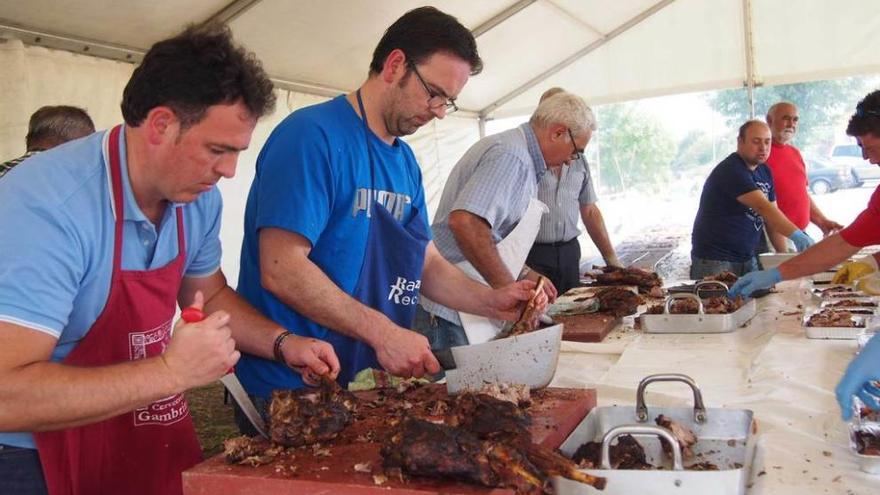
{"type": "Point", "coordinates": [487, 194]}
{"type": "Point", "coordinates": [569, 193]}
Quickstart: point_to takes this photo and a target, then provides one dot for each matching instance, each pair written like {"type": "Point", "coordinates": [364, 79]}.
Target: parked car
{"type": "Point", "coordinates": [850, 155]}
{"type": "Point", "coordinates": [824, 176]}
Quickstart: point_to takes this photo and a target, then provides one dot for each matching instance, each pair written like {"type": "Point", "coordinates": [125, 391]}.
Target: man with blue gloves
{"type": "Point", "coordinates": [864, 231]}
{"type": "Point", "coordinates": [738, 198]}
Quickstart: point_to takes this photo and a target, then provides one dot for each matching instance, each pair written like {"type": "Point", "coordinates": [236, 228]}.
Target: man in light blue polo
{"type": "Point", "coordinates": [487, 194]}
{"type": "Point", "coordinates": [101, 238]}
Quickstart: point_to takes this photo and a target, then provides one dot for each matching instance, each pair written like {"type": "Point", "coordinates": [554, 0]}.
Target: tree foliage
{"type": "Point", "coordinates": [633, 148]}
{"type": "Point", "coordinates": [821, 106]}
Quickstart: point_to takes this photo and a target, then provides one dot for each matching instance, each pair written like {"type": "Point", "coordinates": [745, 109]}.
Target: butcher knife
{"type": "Point", "coordinates": [445, 358]}
{"type": "Point", "coordinates": [230, 381]}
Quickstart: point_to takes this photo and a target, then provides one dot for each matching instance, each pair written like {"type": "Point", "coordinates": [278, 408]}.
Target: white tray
{"type": "Point", "coordinates": [772, 260]}
{"type": "Point", "coordinates": [699, 323]}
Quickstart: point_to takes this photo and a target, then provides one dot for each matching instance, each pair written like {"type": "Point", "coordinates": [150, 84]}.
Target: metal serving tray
{"type": "Point", "coordinates": [698, 323]}
{"type": "Point", "coordinates": [821, 292]}
{"type": "Point", "coordinates": [528, 358]}
{"type": "Point", "coordinates": [724, 438]}
{"type": "Point", "coordinates": [870, 305]}
{"type": "Point", "coordinates": [850, 333]}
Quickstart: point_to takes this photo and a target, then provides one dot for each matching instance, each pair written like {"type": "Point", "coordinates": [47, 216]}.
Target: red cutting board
{"type": "Point", "coordinates": [587, 327]}
{"type": "Point", "coordinates": [555, 413]}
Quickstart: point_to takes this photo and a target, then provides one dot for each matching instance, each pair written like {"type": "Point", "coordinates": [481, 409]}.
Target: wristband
{"type": "Point", "coordinates": [276, 347]}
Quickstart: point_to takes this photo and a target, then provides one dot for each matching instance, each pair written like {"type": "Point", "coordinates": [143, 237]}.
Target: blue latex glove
{"type": "Point", "coordinates": [752, 281]}
{"type": "Point", "coordinates": [801, 240]}
{"type": "Point", "coordinates": [862, 370]}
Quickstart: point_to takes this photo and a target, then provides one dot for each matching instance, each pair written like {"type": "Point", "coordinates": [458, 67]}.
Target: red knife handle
{"type": "Point", "coordinates": [191, 314]}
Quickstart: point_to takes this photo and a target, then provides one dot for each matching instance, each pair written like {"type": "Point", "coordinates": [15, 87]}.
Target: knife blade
{"type": "Point", "coordinates": [230, 381]}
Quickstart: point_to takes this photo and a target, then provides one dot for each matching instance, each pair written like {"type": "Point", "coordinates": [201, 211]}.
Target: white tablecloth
{"type": "Point", "coordinates": [768, 367]}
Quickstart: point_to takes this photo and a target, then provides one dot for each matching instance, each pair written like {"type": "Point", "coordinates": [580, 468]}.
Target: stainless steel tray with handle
{"type": "Point", "coordinates": [698, 323]}
{"type": "Point", "coordinates": [724, 438]}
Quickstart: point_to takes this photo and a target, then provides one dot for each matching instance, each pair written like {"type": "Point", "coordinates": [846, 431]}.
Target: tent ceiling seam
{"type": "Point", "coordinates": [501, 17]}
{"type": "Point", "coordinates": [626, 26]}
{"type": "Point", "coordinates": [576, 19]}
{"type": "Point", "coordinates": [232, 11]}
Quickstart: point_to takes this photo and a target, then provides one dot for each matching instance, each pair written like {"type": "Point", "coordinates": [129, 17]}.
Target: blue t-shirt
{"type": "Point", "coordinates": [56, 242]}
{"type": "Point", "coordinates": [725, 229]}
{"type": "Point", "coordinates": [313, 178]}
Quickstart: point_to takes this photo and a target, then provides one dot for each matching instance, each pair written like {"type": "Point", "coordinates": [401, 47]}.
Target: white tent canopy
{"type": "Point", "coordinates": [604, 50]}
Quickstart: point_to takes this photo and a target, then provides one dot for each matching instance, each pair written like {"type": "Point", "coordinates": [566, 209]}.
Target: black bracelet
{"type": "Point", "coordinates": [276, 347]}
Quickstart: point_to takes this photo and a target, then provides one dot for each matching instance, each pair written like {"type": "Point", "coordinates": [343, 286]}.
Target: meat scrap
{"type": "Point", "coordinates": [644, 279]}
{"type": "Point", "coordinates": [310, 415]}
{"type": "Point", "coordinates": [834, 318]}
{"type": "Point", "coordinates": [852, 303]}
{"type": "Point", "coordinates": [253, 451]}
{"type": "Point", "coordinates": [517, 393]}
{"type": "Point", "coordinates": [684, 435]}
{"type": "Point", "coordinates": [627, 453]}
{"type": "Point", "coordinates": [618, 302]}
{"type": "Point", "coordinates": [725, 277]}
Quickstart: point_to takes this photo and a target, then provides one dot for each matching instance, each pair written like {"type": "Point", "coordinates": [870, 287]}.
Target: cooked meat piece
{"type": "Point", "coordinates": [656, 309]}
{"type": "Point", "coordinates": [852, 303]}
{"type": "Point", "coordinates": [528, 319]}
{"type": "Point", "coordinates": [644, 279]}
{"type": "Point", "coordinates": [254, 451]}
{"type": "Point", "coordinates": [722, 305]}
{"type": "Point", "coordinates": [421, 448]}
{"type": "Point", "coordinates": [833, 318]}
{"type": "Point", "coordinates": [516, 393]}
{"type": "Point", "coordinates": [835, 289]}
{"type": "Point", "coordinates": [490, 419]}
{"type": "Point", "coordinates": [686, 438]}
{"type": "Point", "coordinates": [618, 302]}
{"type": "Point", "coordinates": [728, 278]}
{"type": "Point", "coordinates": [684, 307]}
{"type": "Point", "coordinates": [867, 443]}
{"type": "Point", "coordinates": [310, 415]}
{"type": "Point", "coordinates": [627, 453]}
{"type": "Point", "coordinates": [552, 463]}
{"type": "Point", "coordinates": [702, 466]}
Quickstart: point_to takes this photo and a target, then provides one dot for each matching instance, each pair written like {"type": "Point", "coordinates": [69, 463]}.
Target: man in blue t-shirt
{"type": "Point", "coordinates": [738, 197]}
{"type": "Point", "coordinates": [337, 243]}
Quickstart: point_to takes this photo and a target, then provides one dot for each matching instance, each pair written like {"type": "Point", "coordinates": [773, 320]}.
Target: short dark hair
{"type": "Point", "coordinates": [50, 126]}
{"type": "Point", "coordinates": [866, 118]}
{"type": "Point", "coordinates": [743, 129]}
{"type": "Point", "coordinates": [194, 70]}
{"type": "Point", "coordinates": [423, 32]}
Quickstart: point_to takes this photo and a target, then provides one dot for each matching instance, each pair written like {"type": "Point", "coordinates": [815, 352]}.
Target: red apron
{"type": "Point", "coordinates": [143, 451]}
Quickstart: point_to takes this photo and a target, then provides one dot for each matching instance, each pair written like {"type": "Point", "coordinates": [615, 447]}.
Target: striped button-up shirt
{"type": "Point", "coordinates": [9, 165]}
{"type": "Point", "coordinates": [564, 195]}
{"type": "Point", "coordinates": [495, 180]}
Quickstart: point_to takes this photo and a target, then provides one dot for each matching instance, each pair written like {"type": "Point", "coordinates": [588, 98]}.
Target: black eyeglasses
{"type": "Point", "coordinates": [435, 99]}
{"type": "Point", "coordinates": [576, 154]}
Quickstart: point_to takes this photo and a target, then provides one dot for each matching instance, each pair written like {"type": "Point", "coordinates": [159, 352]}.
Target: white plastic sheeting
{"type": "Point", "coordinates": [768, 367]}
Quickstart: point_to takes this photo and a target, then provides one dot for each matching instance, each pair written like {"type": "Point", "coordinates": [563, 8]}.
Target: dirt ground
{"type": "Point", "coordinates": [213, 418]}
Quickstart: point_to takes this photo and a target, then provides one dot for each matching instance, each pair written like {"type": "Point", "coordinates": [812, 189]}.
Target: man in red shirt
{"type": "Point", "coordinates": [790, 173]}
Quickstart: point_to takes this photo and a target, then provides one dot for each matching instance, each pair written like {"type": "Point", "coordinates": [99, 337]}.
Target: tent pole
{"type": "Point", "coordinates": [232, 11]}
{"type": "Point", "coordinates": [750, 56]}
{"type": "Point", "coordinates": [482, 123]}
